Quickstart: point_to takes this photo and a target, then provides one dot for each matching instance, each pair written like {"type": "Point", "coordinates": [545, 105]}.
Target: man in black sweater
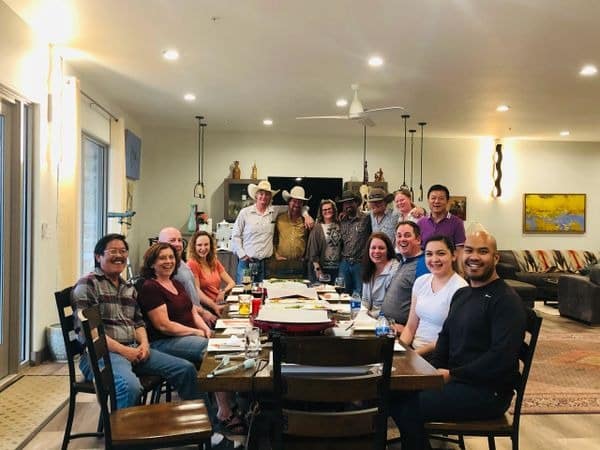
{"type": "Point", "coordinates": [476, 351]}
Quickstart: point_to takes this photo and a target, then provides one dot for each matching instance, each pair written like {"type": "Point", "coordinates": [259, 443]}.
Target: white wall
{"type": "Point", "coordinates": [169, 172]}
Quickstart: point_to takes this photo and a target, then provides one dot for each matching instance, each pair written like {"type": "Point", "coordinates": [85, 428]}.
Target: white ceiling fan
{"type": "Point", "coordinates": [357, 111]}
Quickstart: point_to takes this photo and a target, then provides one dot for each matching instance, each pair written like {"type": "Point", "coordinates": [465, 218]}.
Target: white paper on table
{"type": "Point", "coordinates": [286, 289]}
{"type": "Point", "coordinates": [230, 344]}
{"type": "Point", "coordinates": [226, 323]}
{"type": "Point", "coordinates": [232, 299]}
{"type": "Point", "coordinates": [237, 290]}
{"type": "Point", "coordinates": [278, 315]}
{"type": "Point", "coordinates": [234, 308]}
{"type": "Point", "coordinates": [364, 322]}
{"type": "Point", "coordinates": [237, 331]}
{"type": "Point", "coordinates": [335, 297]}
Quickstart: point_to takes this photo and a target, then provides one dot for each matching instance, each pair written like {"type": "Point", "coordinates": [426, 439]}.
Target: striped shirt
{"type": "Point", "coordinates": [119, 309]}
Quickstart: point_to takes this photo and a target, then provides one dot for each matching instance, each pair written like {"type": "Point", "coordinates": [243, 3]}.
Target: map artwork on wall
{"type": "Point", "coordinates": [554, 213]}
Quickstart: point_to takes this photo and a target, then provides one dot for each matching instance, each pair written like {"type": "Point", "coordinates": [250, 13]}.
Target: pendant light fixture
{"type": "Point", "coordinates": [422, 125]}
{"type": "Point", "coordinates": [199, 190]}
{"type": "Point", "coordinates": [364, 188]}
{"type": "Point", "coordinates": [404, 117]}
{"type": "Point", "coordinates": [412, 158]}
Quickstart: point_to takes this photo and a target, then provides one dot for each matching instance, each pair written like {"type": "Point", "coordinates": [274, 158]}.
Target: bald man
{"type": "Point", "coordinates": [184, 275]}
{"type": "Point", "coordinates": [476, 351]}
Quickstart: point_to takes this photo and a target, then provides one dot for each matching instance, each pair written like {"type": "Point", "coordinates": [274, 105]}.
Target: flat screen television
{"type": "Point", "coordinates": [315, 187]}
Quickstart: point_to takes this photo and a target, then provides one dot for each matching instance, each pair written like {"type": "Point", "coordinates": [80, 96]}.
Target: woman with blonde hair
{"type": "Point", "coordinates": [208, 270]}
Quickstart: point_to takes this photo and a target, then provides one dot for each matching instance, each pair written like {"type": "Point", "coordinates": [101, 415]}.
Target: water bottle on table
{"type": "Point", "coordinates": [382, 328]}
{"type": "Point", "coordinates": [355, 301]}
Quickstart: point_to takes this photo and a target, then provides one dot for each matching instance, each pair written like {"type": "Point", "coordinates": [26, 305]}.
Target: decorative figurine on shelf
{"type": "Point", "coordinates": [236, 173]}
{"type": "Point", "coordinates": [254, 175]}
{"type": "Point", "coordinates": [379, 175]}
{"type": "Point", "coordinates": [191, 223]}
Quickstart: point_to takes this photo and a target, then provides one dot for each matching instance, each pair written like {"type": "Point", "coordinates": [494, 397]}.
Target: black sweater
{"type": "Point", "coordinates": [480, 340]}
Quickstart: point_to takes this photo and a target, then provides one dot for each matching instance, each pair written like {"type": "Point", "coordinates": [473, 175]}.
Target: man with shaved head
{"type": "Point", "coordinates": [476, 351]}
{"type": "Point", "coordinates": [184, 275]}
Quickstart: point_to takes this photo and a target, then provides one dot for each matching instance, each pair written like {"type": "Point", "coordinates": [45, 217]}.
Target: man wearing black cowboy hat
{"type": "Point", "coordinates": [355, 229]}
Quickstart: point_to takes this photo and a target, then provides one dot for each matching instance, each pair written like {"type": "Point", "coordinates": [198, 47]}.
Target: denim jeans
{"type": "Point", "coordinates": [190, 348]}
{"type": "Point", "coordinates": [351, 271]}
{"type": "Point", "coordinates": [456, 401]}
{"type": "Point", "coordinates": [242, 265]}
{"type": "Point", "coordinates": [180, 373]}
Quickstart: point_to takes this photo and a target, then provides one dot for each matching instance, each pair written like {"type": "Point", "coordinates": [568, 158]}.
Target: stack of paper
{"type": "Point", "coordinates": [287, 289]}
{"type": "Point", "coordinates": [279, 315]}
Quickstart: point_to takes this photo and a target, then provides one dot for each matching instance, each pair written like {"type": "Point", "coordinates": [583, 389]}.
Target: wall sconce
{"type": "Point", "coordinates": [497, 171]}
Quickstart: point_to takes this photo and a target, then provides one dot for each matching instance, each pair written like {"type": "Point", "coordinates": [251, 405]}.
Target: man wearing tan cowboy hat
{"type": "Point", "coordinates": [290, 237]}
{"type": "Point", "coordinates": [382, 218]}
{"type": "Point", "coordinates": [253, 229]}
{"type": "Point", "coordinates": [355, 228]}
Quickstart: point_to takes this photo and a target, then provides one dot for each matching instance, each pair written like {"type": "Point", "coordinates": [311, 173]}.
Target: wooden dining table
{"type": "Point", "coordinates": [410, 373]}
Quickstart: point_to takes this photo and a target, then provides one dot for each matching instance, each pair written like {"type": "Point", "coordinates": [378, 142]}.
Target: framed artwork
{"type": "Point", "coordinates": [458, 206]}
{"type": "Point", "coordinates": [133, 155]}
{"type": "Point", "coordinates": [554, 213]}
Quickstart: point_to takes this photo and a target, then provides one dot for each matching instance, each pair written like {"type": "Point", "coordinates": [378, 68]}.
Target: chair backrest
{"type": "Point", "coordinates": [73, 346]}
{"type": "Point", "coordinates": [347, 410]}
{"type": "Point", "coordinates": [534, 323]}
{"type": "Point", "coordinates": [99, 358]}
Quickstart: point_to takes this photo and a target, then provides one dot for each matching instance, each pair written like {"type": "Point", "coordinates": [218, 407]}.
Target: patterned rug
{"type": "Point", "coordinates": [565, 376]}
{"type": "Point", "coordinates": [27, 405]}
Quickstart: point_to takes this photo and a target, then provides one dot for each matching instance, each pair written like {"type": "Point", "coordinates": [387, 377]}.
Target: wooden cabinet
{"type": "Point", "coordinates": [354, 186]}
{"type": "Point", "coordinates": [236, 197]}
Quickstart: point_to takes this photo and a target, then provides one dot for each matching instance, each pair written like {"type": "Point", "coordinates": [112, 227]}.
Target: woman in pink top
{"type": "Point", "coordinates": [208, 270]}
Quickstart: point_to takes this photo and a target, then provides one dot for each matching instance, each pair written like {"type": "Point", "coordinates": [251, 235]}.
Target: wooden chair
{"type": "Point", "coordinates": [146, 426]}
{"type": "Point", "coordinates": [346, 411]}
{"type": "Point", "coordinates": [508, 425]}
{"type": "Point", "coordinates": [150, 384]}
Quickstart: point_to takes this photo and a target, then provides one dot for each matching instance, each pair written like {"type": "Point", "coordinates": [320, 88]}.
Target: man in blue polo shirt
{"type": "Point", "coordinates": [440, 221]}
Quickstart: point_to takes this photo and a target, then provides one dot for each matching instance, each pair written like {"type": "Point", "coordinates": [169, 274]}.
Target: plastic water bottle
{"type": "Point", "coordinates": [355, 301]}
{"type": "Point", "coordinates": [382, 328]}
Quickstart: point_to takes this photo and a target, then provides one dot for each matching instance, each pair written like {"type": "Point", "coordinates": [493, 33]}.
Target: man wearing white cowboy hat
{"type": "Point", "coordinates": [253, 229]}
{"type": "Point", "coordinates": [290, 237]}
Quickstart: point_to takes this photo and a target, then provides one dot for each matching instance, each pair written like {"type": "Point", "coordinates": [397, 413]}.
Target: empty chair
{"type": "Point", "coordinates": [148, 426]}
{"type": "Point", "coordinates": [508, 425]}
{"type": "Point", "coordinates": [344, 404]}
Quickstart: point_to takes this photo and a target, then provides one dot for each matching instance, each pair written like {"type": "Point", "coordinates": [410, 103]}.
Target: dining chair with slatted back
{"type": "Point", "coordinates": [73, 349]}
{"type": "Point", "coordinates": [340, 400]}
{"type": "Point", "coordinates": [507, 425]}
{"type": "Point", "coordinates": [145, 426]}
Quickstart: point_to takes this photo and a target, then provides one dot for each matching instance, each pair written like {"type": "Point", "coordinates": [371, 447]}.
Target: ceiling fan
{"type": "Point", "coordinates": [357, 111]}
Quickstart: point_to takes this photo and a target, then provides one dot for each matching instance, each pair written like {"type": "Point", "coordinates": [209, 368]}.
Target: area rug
{"type": "Point", "coordinates": [27, 405]}
{"type": "Point", "coordinates": [565, 376]}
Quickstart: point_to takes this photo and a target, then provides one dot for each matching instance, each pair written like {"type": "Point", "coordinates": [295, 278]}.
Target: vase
{"type": "Point", "coordinates": [191, 223]}
{"type": "Point", "coordinates": [236, 173]}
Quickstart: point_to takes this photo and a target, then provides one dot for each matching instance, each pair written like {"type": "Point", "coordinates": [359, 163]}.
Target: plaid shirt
{"type": "Point", "coordinates": [119, 309]}
{"type": "Point", "coordinates": [355, 232]}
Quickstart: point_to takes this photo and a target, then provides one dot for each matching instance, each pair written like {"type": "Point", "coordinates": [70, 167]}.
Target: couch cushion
{"type": "Point", "coordinates": [578, 259]}
{"type": "Point", "coordinates": [545, 261]}
{"type": "Point", "coordinates": [595, 274]}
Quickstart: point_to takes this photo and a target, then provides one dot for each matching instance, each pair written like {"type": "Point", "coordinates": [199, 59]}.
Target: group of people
{"type": "Point", "coordinates": [406, 264]}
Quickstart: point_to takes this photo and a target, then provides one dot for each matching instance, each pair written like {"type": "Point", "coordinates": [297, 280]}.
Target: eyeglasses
{"type": "Point", "coordinates": [116, 251]}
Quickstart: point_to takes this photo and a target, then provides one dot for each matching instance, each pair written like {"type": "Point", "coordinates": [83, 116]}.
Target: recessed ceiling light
{"type": "Point", "coordinates": [171, 54]}
{"type": "Point", "coordinates": [565, 133]}
{"type": "Point", "coordinates": [375, 61]}
{"type": "Point", "coordinates": [341, 102]}
{"type": "Point", "coordinates": [502, 108]}
{"type": "Point", "coordinates": [268, 122]}
{"type": "Point", "coordinates": [588, 70]}
{"type": "Point", "coordinates": [189, 97]}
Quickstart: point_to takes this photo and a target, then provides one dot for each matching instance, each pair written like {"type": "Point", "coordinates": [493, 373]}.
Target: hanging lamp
{"type": "Point", "coordinates": [199, 190]}
{"type": "Point", "coordinates": [412, 158]}
{"type": "Point", "coordinates": [404, 117]}
{"type": "Point", "coordinates": [422, 125]}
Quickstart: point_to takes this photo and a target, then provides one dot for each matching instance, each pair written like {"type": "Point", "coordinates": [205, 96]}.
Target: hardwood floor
{"type": "Point", "coordinates": [545, 431]}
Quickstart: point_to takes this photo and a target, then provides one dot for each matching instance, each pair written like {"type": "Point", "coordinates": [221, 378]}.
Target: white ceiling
{"type": "Point", "coordinates": [449, 62]}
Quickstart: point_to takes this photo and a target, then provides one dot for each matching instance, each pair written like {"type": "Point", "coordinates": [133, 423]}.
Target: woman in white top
{"type": "Point", "coordinates": [379, 267]}
{"type": "Point", "coordinates": [431, 295]}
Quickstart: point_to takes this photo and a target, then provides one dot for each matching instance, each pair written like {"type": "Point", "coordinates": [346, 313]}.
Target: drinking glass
{"type": "Point", "coordinates": [252, 345]}
{"type": "Point", "coordinates": [324, 278]}
{"type": "Point", "coordinates": [253, 270]}
{"type": "Point", "coordinates": [340, 285]}
{"type": "Point", "coordinates": [244, 309]}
